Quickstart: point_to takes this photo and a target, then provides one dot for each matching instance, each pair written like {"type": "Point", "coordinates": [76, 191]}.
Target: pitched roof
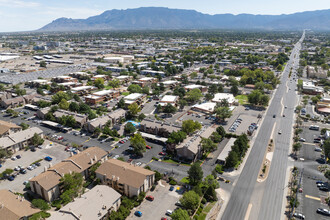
{"type": "Point", "coordinates": [5, 126]}
{"type": "Point", "coordinates": [128, 174]}
{"type": "Point", "coordinates": [13, 207]}
{"type": "Point", "coordinates": [89, 205]}
{"type": "Point", "coordinates": [77, 163]}
{"type": "Point", "coordinates": [19, 137]}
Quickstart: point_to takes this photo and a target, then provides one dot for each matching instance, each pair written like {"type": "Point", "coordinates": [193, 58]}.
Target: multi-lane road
{"type": "Point", "coordinates": [270, 193]}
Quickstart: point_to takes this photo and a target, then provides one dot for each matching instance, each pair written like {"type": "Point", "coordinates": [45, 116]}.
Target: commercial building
{"type": "Point", "coordinates": [316, 72]}
{"type": "Point", "coordinates": [225, 152]}
{"type": "Point", "coordinates": [152, 73]}
{"type": "Point", "coordinates": [170, 83]}
{"type": "Point", "coordinates": [113, 60]}
{"type": "Point", "coordinates": [169, 99]}
{"type": "Point", "coordinates": [97, 203]}
{"type": "Point", "coordinates": [206, 108]}
{"type": "Point", "coordinates": [19, 140]}
{"type": "Point", "coordinates": [311, 89]}
{"type": "Point", "coordinates": [219, 97]}
{"type": "Point", "coordinates": [126, 178]}
{"type": "Point", "coordinates": [62, 79]}
{"type": "Point", "coordinates": [145, 81]}
{"type": "Point", "coordinates": [47, 183]}
{"type": "Point", "coordinates": [83, 90]}
{"type": "Point", "coordinates": [15, 207]}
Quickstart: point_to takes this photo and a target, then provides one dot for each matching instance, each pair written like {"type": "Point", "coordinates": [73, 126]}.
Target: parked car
{"type": "Point", "coordinates": [299, 215]}
{"type": "Point", "coordinates": [171, 188]}
{"type": "Point", "coordinates": [11, 178]}
{"type": "Point", "coordinates": [323, 211]}
{"type": "Point", "coordinates": [25, 182]}
{"type": "Point", "coordinates": [178, 203]}
{"type": "Point", "coordinates": [48, 158]}
{"type": "Point", "coordinates": [17, 169]}
{"type": "Point", "coordinates": [18, 156]}
{"type": "Point", "coordinates": [302, 139]}
{"type": "Point", "coordinates": [317, 149]}
{"type": "Point", "coordinates": [324, 188]}
{"type": "Point", "coordinates": [148, 147]}
{"type": "Point", "coordinates": [14, 158]}
{"type": "Point", "coordinates": [279, 132]}
{"type": "Point", "coordinates": [150, 198]}
{"type": "Point", "coordinates": [138, 213]}
{"type": "Point", "coordinates": [29, 168]}
{"type": "Point", "coordinates": [22, 171]}
{"type": "Point", "coordinates": [162, 153]}
{"type": "Point", "coordinates": [169, 212]}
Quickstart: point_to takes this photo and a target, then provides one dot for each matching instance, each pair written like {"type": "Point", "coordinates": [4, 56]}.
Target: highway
{"type": "Point", "coordinates": [270, 191]}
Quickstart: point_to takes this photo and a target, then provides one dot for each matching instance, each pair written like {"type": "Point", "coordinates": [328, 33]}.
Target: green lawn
{"type": "Point", "coordinates": [125, 93]}
{"type": "Point", "coordinates": [108, 87]}
{"type": "Point", "coordinates": [242, 99]}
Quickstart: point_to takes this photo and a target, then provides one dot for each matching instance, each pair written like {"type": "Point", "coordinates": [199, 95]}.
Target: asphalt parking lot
{"type": "Point", "coordinates": [312, 197]}
{"type": "Point", "coordinates": [164, 199]}
{"type": "Point", "coordinates": [27, 158]}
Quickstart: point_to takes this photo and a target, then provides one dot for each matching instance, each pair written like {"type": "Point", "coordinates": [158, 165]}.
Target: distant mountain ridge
{"type": "Point", "coordinates": [165, 18]}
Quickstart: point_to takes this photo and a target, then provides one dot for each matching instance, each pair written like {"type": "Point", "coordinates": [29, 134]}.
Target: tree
{"type": "Point", "coordinates": [180, 214]}
{"type": "Point", "coordinates": [134, 109]}
{"type": "Point", "coordinates": [72, 184]}
{"type": "Point", "coordinates": [36, 140]}
{"type": "Point", "coordinates": [194, 95]}
{"type": "Point", "coordinates": [40, 204]}
{"type": "Point", "coordinates": [76, 97]}
{"type": "Point", "coordinates": [74, 107]}
{"type": "Point", "coordinates": [326, 147]}
{"type": "Point", "coordinates": [43, 64]}
{"type": "Point", "coordinates": [133, 88]}
{"type": "Point", "coordinates": [129, 128]}
{"type": "Point", "coordinates": [234, 90]}
{"type": "Point", "coordinates": [138, 143]}
{"type": "Point", "coordinates": [99, 83]}
{"type": "Point", "coordinates": [189, 126]}
{"type": "Point", "coordinates": [296, 147]}
{"type": "Point", "coordinates": [145, 90]}
{"type": "Point", "coordinates": [195, 174]}
{"type": "Point", "coordinates": [115, 83]}
{"type": "Point", "coordinates": [182, 103]}
{"type": "Point", "coordinates": [57, 98]}
{"type": "Point", "coordinates": [64, 104]}
{"type": "Point", "coordinates": [221, 131]}
{"type": "Point", "coordinates": [176, 137]}
{"type": "Point", "coordinates": [3, 153]}
{"type": "Point", "coordinates": [223, 113]}
{"type": "Point", "coordinates": [141, 117]}
{"type": "Point", "coordinates": [216, 137]}
{"type": "Point", "coordinates": [24, 126]}
{"type": "Point", "coordinates": [190, 201]}
{"type": "Point", "coordinates": [231, 160]}
{"type": "Point", "coordinates": [169, 109]}
{"type": "Point", "coordinates": [121, 103]}
{"type": "Point", "coordinates": [327, 174]}
{"type": "Point", "coordinates": [208, 145]}
{"type": "Point", "coordinates": [84, 108]}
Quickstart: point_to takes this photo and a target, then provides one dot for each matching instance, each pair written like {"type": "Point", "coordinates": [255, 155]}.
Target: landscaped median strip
{"type": "Point", "coordinates": [312, 197]}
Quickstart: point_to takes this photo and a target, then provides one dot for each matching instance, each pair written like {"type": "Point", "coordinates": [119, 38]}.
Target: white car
{"type": "Point", "coordinates": [138, 164]}
{"type": "Point", "coordinates": [302, 139]}
{"type": "Point", "coordinates": [279, 132]}
{"type": "Point", "coordinates": [115, 157]}
{"type": "Point", "coordinates": [17, 169]}
{"type": "Point", "coordinates": [169, 212]}
{"type": "Point", "coordinates": [29, 168]}
{"type": "Point", "coordinates": [14, 158]}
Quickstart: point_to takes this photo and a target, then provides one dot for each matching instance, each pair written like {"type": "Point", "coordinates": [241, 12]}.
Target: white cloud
{"type": "Point", "coordinates": [18, 4]}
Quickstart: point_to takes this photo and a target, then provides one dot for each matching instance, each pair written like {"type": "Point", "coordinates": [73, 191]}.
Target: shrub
{"type": "Point", "coordinates": [173, 182]}
{"type": "Point", "coordinates": [218, 168]}
{"type": "Point", "coordinates": [203, 201]}
{"type": "Point", "coordinates": [155, 158]}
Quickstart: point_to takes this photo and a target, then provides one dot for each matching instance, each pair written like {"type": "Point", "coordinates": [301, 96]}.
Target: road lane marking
{"type": "Point", "coordinates": [308, 143]}
{"type": "Point", "coordinates": [87, 140]}
{"type": "Point", "coordinates": [247, 215]}
{"type": "Point", "coordinates": [150, 161]}
{"type": "Point", "coordinates": [312, 197]}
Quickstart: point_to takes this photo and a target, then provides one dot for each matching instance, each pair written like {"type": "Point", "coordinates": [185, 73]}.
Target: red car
{"type": "Point", "coordinates": [60, 138]}
{"type": "Point", "coordinates": [163, 218]}
{"type": "Point", "coordinates": [122, 142]}
{"type": "Point", "coordinates": [148, 147]}
{"type": "Point", "coordinates": [150, 198]}
{"type": "Point", "coordinates": [129, 160]}
{"type": "Point", "coordinates": [162, 153]}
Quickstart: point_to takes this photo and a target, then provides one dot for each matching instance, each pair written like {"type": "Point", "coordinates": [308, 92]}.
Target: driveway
{"type": "Point", "coordinates": [164, 200]}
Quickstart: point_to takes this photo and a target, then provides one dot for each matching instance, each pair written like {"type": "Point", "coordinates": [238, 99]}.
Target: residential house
{"type": "Point", "coordinates": [7, 128]}
{"type": "Point", "coordinates": [41, 113]}
{"type": "Point", "coordinates": [225, 152]}
{"type": "Point", "coordinates": [104, 77]}
{"type": "Point", "coordinates": [113, 117]}
{"type": "Point", "coordinates": [158, 128]}
{"type": "Point", "coordinates": [62, 79]}
{"type": "Point", "coordinates": [203, 89]}
{"type": "Point", "coordinates": [126, 178]}
{"type": "Point", "coordinates": [152, 73]}
{"type": "Point", "coordinates": [83, 90]}
{"type": "Point", "coordinates": [101, 96]}
{"type": "Point", "coordinates": [170, 83]}
{"type": "Point", "coordinates": [124, 79]}
{"type": "Point", "coordinates": [145, 81]}
{"type": "Point", "coordinates": [46, 184]}
{"type": "Point", "coordinates": [19, 140]}
{"type": "Point", "coordinates": [80, 75]}
{"type": "Point", "coordinates": [97, 203]}
{"type": "Point", "coordinates": [80, 119]}
{"type": "Point", "coordinates": [206, 108]}
{"type": "Point", "coordinates": [12, 102]}
{"type": "Point", "coordinates": [116, 69]}
{"type": "Point", "coordinates": [15, 207]}
{"type": "Point", "coordinates": [137, 98]}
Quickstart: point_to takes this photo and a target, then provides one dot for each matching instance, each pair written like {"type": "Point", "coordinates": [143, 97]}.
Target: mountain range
{"type": "Point", "coordinates": [164, 18]}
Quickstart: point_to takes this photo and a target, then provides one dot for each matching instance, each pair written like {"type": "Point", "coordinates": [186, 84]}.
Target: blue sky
{"type": "Point", "coordinates": [23, 15]}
